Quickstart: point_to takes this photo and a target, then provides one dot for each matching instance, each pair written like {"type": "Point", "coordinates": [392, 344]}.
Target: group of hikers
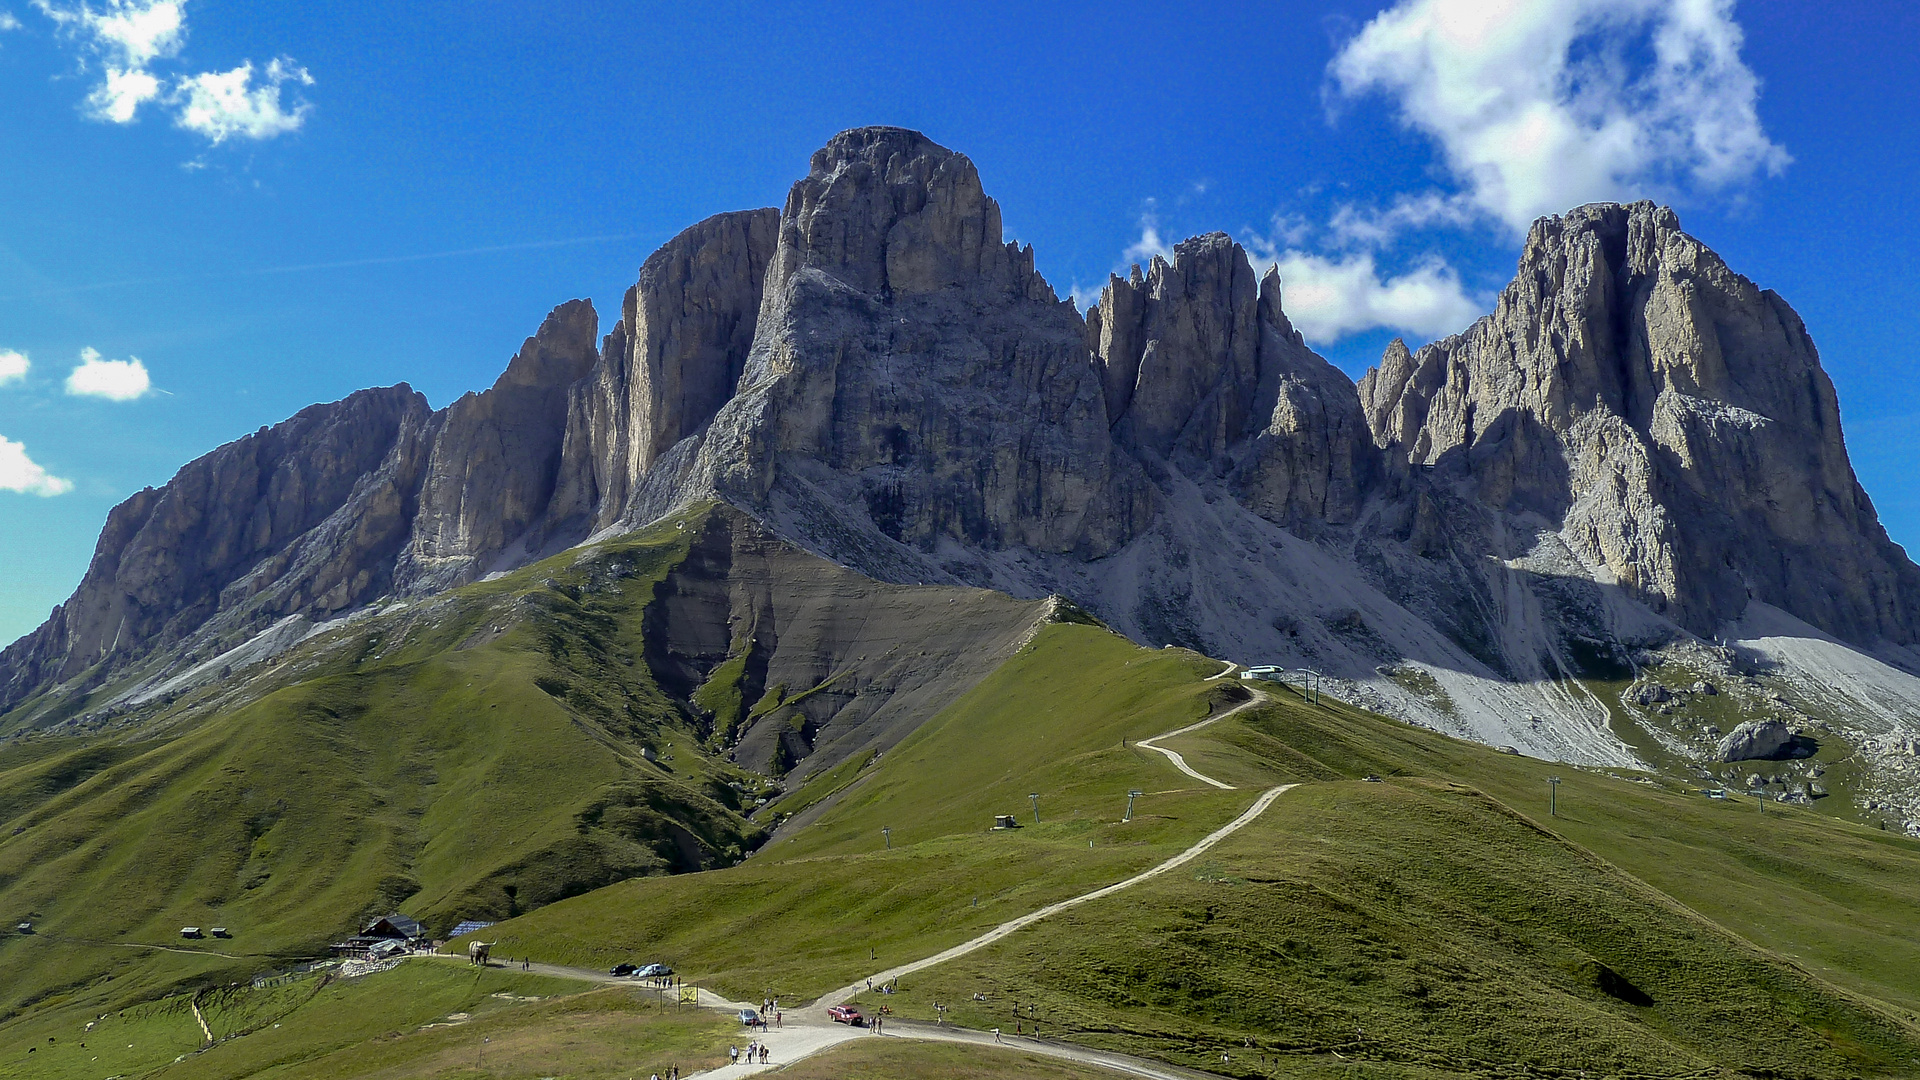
{"type": "Point", "coordinates": [733, 1052]}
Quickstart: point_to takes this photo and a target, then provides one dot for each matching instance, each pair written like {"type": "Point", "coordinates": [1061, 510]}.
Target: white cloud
{"type": "Point", "coordinates": [8, 22]}
{"type": "Point", "coordinates": [1540, 105]}
{"type": "Point", "coordinates": [18, 472]}
{"type": "Point", "coordinates": [118, 99]}
{"type": "Point", "coordinates": [128, 34]}
{"type": "Point", "coordinates": [1328, 299]}
{"type": "Point", "coordinates": [13, 366]}
{"type": "Point", "coordinates": [223, 104]}
{"type": "Point", "coordinates": [1149, 245]}
{"type": "Point", "coordinates": [1353, 226]}
{"type": "Point", "coordinates": [1085, 296]}
{"type": "Point", "coordinates": [115, 380]}
{"type": "Point", "coordinates": [128, 37]}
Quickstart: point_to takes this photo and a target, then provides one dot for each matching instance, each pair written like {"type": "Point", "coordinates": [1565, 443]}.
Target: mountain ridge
{"type": "Point", "coordinates": [1605, 473]}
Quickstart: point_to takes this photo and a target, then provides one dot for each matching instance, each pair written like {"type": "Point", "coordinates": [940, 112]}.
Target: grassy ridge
{"type": "Point", "coordinates": [472, 756]}
{"type": "Point", "coordinates": [1836, 898]}
{"type": "Point", "coordinates": [807, 912]}
{"type": "Point", "coordinates": [1057, 720]}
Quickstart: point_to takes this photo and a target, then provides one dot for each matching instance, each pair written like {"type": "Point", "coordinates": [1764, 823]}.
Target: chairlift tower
{"type": "Point", "coordinates": [1034, 798]}
{"type": "Point", "coordinates": [1553, 796]}
{"type": "Point", "coordinates": [1131, 795]}
{"type": "Point", "coordinates": [887, 834]}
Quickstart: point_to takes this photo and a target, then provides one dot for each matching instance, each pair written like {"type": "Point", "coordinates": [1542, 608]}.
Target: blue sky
{"type": "Point", "coordinates": [274, 204]}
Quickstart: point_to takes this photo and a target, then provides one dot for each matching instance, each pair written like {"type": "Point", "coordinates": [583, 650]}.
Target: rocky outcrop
{"type": "Point", "coordinates": [666, 368]}
{"type": "Point", "coordinates": [307, 515]}
{"type": "Point", "coordinates": [1200, 363]}
{"type": "Point", "coordinates": [1756, 740]}
{"type": "Point", "coordinates": [1179, 350]}
{"type": "Point", "coordinates": [1670, 416]}
{"type": "Point", "coordinates": [913, 379]}
{"type": "Point", "coordinates": [496, 455]}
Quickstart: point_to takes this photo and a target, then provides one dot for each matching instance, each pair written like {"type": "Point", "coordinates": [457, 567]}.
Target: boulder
{"type": "Point", "coordinates": [1756, 740]}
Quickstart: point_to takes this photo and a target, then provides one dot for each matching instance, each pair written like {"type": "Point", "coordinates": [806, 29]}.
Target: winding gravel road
{"type": "Point", "coordinates": [807, 1031]}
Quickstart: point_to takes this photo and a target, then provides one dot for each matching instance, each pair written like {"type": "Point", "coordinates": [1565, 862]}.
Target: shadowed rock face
{"type": "Point", "coordinates": [1201, 365]}
{"type": "Point", "coordinates": [1672, 417]}
{"type": "Point", "coordinates": [493, 463]}
{"type": "Point", "coordinates": [913, 376]}
{"type": "Point", "coordinates": [665, 369]}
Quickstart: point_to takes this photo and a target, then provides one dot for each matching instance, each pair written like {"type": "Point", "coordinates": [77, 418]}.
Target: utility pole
{"type": "Point", "coordinates": [1553, 799]}
{"type": "Point", "coordinates": [887, 833]}
{"type": "Point", "coordinates": [1034, 798]}
{"type": "Point", "coordinates": [1131, 795]}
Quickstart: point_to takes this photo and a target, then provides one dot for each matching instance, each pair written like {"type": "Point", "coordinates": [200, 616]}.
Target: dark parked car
{"type": "Point", "coordinates": [622, 969]}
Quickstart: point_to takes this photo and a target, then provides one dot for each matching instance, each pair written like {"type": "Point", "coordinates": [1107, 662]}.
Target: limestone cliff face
{"type": "Point", "coordinates": [305, 515]}
{"type": "Point", "coordinates": [666, 368]}
{"type": "Point", "coordinates": [1670, 414]}
{"type": "Point", "coordinates": [1200, 364]}
{"type": "Point", "coordinates": [913, 375]}
{"type": "Point", "coordinates": [495, 457]}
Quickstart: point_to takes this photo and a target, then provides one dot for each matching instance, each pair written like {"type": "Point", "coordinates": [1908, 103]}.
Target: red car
{"type": "Point", "coordinates": [846, 1014]}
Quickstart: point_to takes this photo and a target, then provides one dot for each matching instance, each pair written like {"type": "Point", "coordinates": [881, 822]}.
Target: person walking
{"type": "Point", "coordinates": [996, 1034]}
{"type": "Point", "coordinates": [733, 1055]}
{"type": "Point", "coordinates": [776, 1018]}
{"type": "Point", "coordinates": [763, 1055]}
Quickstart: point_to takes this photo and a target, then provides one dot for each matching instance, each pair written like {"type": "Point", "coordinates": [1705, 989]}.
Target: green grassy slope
{"type": "Point", "coordinates": [1836, 898]}
{"type": "Point", "coordinates": [472, 756]}
{"type": "Point", "coordinates": [1057, 721]}
{"type": "Point", "coordinates": [890, 1059]}
{"type": "Point", "coordinates": [807, 912]}
{"type": "Point", "coordinates": [421, 1019]}
{"type": "Point", "coordinates": [1443, 914]}
{"type": "Point", "coordinates": [1414, 923]}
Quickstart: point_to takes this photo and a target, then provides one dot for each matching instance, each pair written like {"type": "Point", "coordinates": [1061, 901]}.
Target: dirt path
{"type": "Point", "coordinates": [1259, 806]}
{"type": "Point", "coordinates": [1180, 762]}
{"type": "Point", "coordinates": [807, 1031]}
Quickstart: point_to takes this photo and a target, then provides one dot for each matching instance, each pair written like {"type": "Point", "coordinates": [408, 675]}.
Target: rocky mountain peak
{"type": "Point", "coordinates": [492, 466]}
{"type": "Point", "coordinates": [1660, 409]}
{"type": "Point", "coordinates": [889, 211]}
{"type": "Point", "coordinates": [1183, 334]}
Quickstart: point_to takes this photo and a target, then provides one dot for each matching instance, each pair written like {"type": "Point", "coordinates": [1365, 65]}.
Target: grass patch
{"type": "Point", "coordinates": [890, 1059]}
{"type": "Point", "coordinates": [1348, 920]}
{"type": "Point", "coordinates": [424, 1018]}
